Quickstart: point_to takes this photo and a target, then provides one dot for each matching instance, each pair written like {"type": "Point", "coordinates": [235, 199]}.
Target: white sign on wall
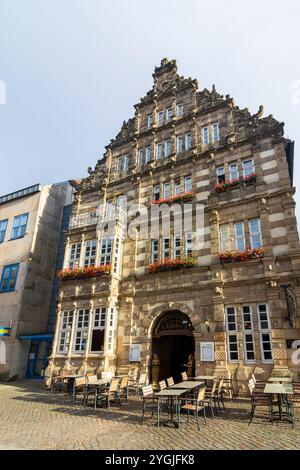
{"type": "Point", "coordinates": [135, 353]}
{"type": "Point", "coordinates": [207, 351]}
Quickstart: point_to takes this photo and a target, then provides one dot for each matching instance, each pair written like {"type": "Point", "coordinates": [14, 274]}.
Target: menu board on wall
{"type": "Point", "coordinates": [207, 351]}
{"type": "Point", "coordinates": [135, 353]}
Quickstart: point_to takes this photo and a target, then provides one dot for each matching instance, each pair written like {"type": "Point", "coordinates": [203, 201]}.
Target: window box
{"type": "Point", "coordinates": [235, 183]}
{"type": "Point", "coordinates": [183, 197]}
{"type": "Point", "coordinates": [240, 256]}
{"type": "Point", "coordinates": [83, 273]}
{"type": "Point", "coordinates": [171, 265]}
{"type": "Point", "coordinates": [250, 179]}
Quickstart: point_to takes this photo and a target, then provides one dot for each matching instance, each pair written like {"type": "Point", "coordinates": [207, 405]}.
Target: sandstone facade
{"type": "Point", "coordinates": [182, 141]}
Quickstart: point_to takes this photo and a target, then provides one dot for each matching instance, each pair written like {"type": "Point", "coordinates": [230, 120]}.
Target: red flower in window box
{"type": "Point", "coordinates": [240, 256]}
{"type": "Point", "coordinates": [170, 264]}
{"type": "Point", "coordinates": [182, 197]}
{"type": "Point", "coordinates": [85, 272]}
{"type": "Point", "coordinates": [228, 185]}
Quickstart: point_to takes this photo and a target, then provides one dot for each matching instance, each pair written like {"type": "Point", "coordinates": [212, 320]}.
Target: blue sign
{"type": "Point", "coordinates": [4, 331]}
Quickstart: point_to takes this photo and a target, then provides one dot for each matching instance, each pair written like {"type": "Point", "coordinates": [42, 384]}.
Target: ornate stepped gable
{"type": "Point", "coordinates": [167, 82]}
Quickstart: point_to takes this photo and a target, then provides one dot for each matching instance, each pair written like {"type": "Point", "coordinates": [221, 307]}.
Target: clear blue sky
{"type": "Point", "coordinates": [74, 68]}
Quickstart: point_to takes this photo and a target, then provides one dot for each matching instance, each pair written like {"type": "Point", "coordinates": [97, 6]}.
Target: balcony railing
{"type": "Point", "coordinates": [86, 219]}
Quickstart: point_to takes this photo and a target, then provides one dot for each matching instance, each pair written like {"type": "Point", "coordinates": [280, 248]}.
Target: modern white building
{"type": "Point", "coordinates": [30, 225]}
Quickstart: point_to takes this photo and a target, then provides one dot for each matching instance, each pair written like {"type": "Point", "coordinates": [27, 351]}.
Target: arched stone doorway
{"type": "Point", "coordinates": [173, 343]}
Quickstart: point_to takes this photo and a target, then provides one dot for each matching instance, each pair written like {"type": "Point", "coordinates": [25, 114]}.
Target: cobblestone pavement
{"type": "Point", "coordinates": [31, 418]}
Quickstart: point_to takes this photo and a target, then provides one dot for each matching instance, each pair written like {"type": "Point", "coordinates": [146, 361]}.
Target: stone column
{"type": "Point", "coordinates": [67, 254]}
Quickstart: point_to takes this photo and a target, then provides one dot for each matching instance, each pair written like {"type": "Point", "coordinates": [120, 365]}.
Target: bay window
{"type": "Point", "coordinates": [64, 335]}
{"type": "Point", "coordinates": [232, 337]}
{"type": "Point", "coordinates": [90, 253]}
{"type": "Point", "coordinates": [106, 251]}
{"type": "Point", "coordinates": [248, 334]}
{"type": "Point", "coordinates": [177, 246]}
{"type": "Point", "coordinates": [188, 244]}
{"type": "Point", "coordinates": [166, 248]}
{"type": "Point", "coordinates": [81, 330]}
{"type": "Point", "coordinates": [98, 330]}
{"type": "Point", "coordinates": [74, 255]}
{"type": "Point", "coordinates": [154, 251]}
{"type": "Point", "coordinates": [265, 333]}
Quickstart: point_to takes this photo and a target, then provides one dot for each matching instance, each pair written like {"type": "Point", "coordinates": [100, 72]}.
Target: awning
{"type": "Point", "coordinates": [41, 337]}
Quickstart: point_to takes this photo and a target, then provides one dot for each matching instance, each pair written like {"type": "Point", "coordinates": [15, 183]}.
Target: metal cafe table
{"type": "Point", "coordinates": [282, 391]}
{"type": "Point", "coordinates": [187, 385]}
{"type": "Point", "coordinates": [97, 384]}
{"type": "Point", "coordinates": [172, 394]}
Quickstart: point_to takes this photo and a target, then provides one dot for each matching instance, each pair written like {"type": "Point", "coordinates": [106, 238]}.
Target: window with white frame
{"type": "Point", "coordinates": [74, 255]}
{"type": "Point", "coordinates": [239, 236]}
{"type": "Point", "coordinates": [122, 164]}
{"type": "Point", "coordinates": [117, 255]}
{"type": "Point", "coordinates": [148, 154]}
{"type": "Point", "coordinates": [248, 167]}
{"type": "Point", "coordinates": [141, 157]}
{"type": "Point", "coordinates": [64, 335]}
{"type": "Point", "coordinates": [166, 248]}
{"type": "Point", "coordinates": [179, 109]}
{"type": "Point", "coordinates": [177, 246]}
{"type": "Point", "coordinates": [255, 233]}
{"type": "Point", "coordinates": [188, 141]}
{"type": "Point", "coordinates": [215, 132]}
{"type": "Point", "coordinates": [158, 151]}
{"type": "Point", "coordinates": [111, 324]}
{"type": "Point", "coordinates": [233, 171]}
{"type": "Point", "coordinates": [81, 330]}
{"type": "Point", "coordinates": [177, 187]}
{"type": "Point", "coordinates": [106, 251]}
{"type": "Point", "coordinates": [248, 334]}
{"type": "Point", "coordinates": [225, 242]}
{"type": "Point", "coordinates": [188, 244]}
{"type": "Point", "coordinates": [188, 184]}
{"type": "Point", "coordinates": [232, 337]}
{"type": "Point", "coordinates": [169, 113]}
{"type": "Point", "coordinates": [154, 251]}
{"type": "Point", "coordinates": [220, 174]}
{"type": "Point", "coordinates": [167, 189]}
{"type": "Point", "coordinates": [160, 117]}
{"type": "Point", "coordinates": [98, 329]}
{"type": "Point", "coordinates": [179, 144]}
{"type": "Point", "coordinates": [205, 135]}
{"type": "Point", "coordinates": [167, 148]}
{"type": "Point", "coordinates": [156, 192]}
{"type": "Point", "coordinates": [90, 252]}
{"type": "Point", "coordinates": [149, 121]}
{"type": "Point", "coordinates": [265, 333]}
